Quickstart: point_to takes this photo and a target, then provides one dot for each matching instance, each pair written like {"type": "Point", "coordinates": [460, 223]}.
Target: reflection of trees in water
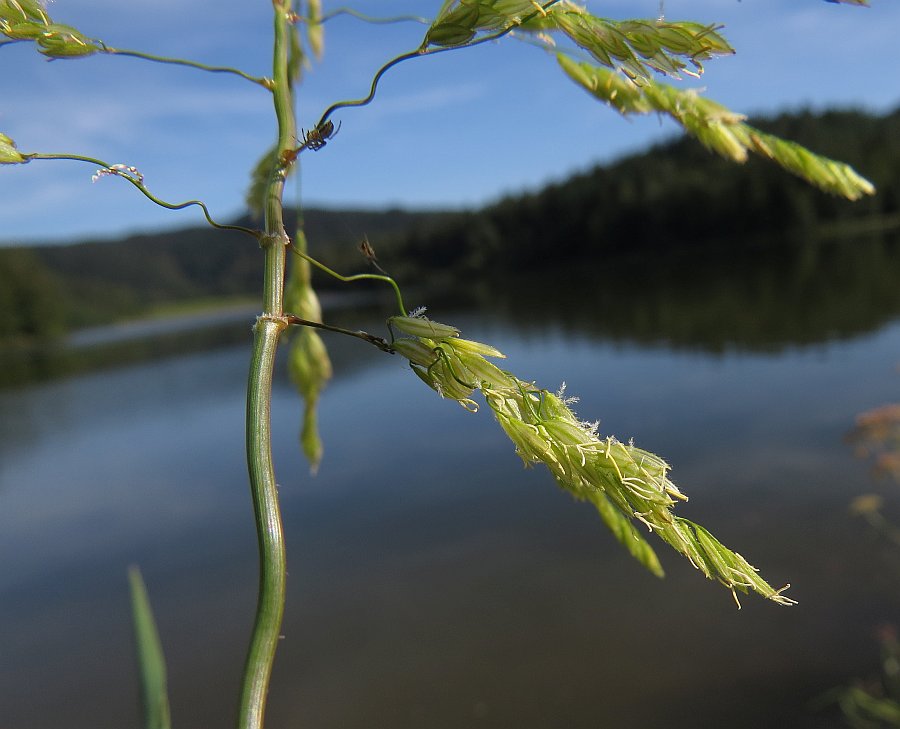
{"type": "Point", "coordinates": [41, 360]}
{"type": "Point", "coordinates": [758, 298]}
{"type": "Point", "coordinates": [23, 362]}
{"type": "Point", "coordinates": [761, 298]}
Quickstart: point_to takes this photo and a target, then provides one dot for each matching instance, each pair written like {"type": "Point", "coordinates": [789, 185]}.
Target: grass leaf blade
{"type": "Point", "coordinates": [151, 662]}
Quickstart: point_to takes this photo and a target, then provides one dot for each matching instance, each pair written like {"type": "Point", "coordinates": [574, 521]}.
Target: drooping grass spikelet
{"type": "Point", "coordinates": [309, 364]}
{"type": "Point", "coordinates": [628, 486]}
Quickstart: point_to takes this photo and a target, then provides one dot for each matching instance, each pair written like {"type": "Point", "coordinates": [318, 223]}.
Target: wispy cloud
{"type": "Point", "coordinates": [431, 99]}
{"type": "Point", "coordinates": [75, 118]}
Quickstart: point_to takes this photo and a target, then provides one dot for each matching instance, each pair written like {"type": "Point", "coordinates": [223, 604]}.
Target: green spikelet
{"type": "Point", "coordinates": [718, 128]}
{"type": "Point", "coordinates": [9, 155]}
{"type": "Point", "coordinates": [628, 486]}
{"type": "Point", "coordinates": [315, 31]}
{"type": "Point", "coordinates": [309, 365]}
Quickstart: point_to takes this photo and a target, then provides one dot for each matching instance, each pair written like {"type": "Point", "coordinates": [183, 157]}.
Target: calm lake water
{"type": "Point", "coordinates": [433, 581]}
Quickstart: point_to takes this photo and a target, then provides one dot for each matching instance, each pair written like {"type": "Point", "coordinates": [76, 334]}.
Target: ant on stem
{"type": "Point", "coordinates": [318, 137]}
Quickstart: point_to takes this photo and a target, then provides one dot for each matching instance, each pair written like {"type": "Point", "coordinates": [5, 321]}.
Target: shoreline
{"type": "Point", "coordinates": [191, 318]}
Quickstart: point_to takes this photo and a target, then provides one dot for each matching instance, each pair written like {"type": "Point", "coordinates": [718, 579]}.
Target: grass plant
{"type": "Point", "coordinates": [617, 61]}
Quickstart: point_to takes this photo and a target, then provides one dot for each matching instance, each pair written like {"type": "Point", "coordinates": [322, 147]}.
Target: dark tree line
{"type": "Point", "coordinates": [675, 195]}
{"type": "Point", "coordinates": [30, 297]}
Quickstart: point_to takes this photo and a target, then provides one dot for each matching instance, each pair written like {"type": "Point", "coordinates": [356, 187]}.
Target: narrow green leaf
{"type": "Point", "coordinates": [151, 662]}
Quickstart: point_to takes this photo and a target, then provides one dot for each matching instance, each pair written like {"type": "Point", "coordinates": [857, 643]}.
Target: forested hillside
{"type": "Point", "coordinates": [677, 195]}
{"type": "Point", "coordinates": [674, 197]}
{"type": "Point", "coordinates": [97, 282]}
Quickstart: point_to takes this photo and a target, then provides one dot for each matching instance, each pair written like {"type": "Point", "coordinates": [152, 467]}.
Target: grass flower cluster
{"type": "Point", "coordinates": [628, 486]}
{"type": "Point", "coordinates": [309, 364]}
{"type": "Point", "coordinates": [718, 128]}
{"type": "Point", "coordinates": [616, 62]}
{"type": "Point", "coordinates": [27, 20]}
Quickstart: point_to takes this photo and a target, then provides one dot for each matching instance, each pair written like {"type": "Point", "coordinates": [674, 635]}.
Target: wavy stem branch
{"type": "Point", "coordinates": [134, 178]}
{"type": "Point", "coordinates": [356, 277]}
{"type": "Point", "coordinates": [375, 20]}
{"type": "Point", "coordinates": [266, 83]}
{"type": "Point", "coordinates": [420, 52]}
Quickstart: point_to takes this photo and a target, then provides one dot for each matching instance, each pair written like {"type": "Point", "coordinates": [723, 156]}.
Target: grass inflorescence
{"type": "Point", "coordinates": [629, 486]}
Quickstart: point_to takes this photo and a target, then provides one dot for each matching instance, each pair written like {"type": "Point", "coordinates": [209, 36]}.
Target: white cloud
{"type": "Point", "coordinates": [430, 99]}
{"type": "Point", "coordinates": [77, 118]}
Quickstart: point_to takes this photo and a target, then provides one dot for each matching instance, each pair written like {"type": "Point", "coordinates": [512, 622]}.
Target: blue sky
{"type": "Point", "coordinates": [459, 129]}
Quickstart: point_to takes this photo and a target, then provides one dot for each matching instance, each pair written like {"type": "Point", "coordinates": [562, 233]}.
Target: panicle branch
{"type": "Point", "coordinates": [131, 174]}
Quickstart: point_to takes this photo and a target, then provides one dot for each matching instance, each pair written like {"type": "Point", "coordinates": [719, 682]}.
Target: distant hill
{"type": "Point", "coordinates": [48, 289]}
{"type": "Point", "coordinates": [675, 196]}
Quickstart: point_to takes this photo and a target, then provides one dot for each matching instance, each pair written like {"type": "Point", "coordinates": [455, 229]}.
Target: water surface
{"type": "Point", "coordinates": [434, 582]}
